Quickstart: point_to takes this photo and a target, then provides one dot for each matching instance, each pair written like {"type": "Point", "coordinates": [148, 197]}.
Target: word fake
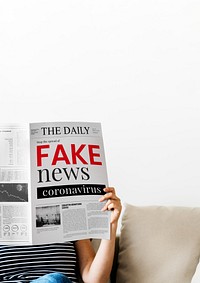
{"type": "Point", "coordinates": [85, 154]}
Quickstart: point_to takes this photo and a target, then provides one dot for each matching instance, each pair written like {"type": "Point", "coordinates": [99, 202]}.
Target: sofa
{"type": "Point", "coordinates": [157, 244]}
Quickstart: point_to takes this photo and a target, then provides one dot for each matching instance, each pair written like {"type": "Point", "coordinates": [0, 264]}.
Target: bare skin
{"type": "Point", "coordinates": [96, 268]}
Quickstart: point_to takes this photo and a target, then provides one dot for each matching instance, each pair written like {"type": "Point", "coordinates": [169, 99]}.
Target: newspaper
{"type": "Point", "coordinates": [51, 178]}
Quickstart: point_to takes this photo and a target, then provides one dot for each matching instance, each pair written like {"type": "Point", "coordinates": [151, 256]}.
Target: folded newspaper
{"type": "Point", "coordinates": [51, 178]}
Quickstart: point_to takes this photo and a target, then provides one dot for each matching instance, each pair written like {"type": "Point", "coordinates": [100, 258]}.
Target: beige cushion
{"type": "Point", "coordinates": [158, 244]}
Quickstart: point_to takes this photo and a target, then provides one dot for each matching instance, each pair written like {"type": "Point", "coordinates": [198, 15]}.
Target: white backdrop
{"type": "Point", "coordinates": [134, 66]}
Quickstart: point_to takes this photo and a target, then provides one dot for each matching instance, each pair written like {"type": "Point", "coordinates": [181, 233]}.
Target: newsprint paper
{"type": "Point", "coordinates": [51, 178]}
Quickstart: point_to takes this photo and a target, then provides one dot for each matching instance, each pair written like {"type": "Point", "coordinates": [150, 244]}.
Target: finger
{"type": "Point", "coordinates": [105, 207]}
{"type": "Point", "coordinates": [109, 195]}
{"type": "Point", "coordinates": [109, 189]}
{"type": "Point", "coordinates": [111, 205]}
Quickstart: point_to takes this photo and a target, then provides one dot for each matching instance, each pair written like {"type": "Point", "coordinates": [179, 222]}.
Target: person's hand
{"type": "Point", "coordinates": [113, 203]}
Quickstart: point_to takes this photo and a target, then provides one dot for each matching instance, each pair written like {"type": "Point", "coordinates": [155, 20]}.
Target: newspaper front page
{"type": "Point", "coordinates": [68, 175]}
{"type": "Point", "coordinates": [51, 178]}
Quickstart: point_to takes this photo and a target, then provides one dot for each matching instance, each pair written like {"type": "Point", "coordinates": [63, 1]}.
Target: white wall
{"type": "Point", "coordinates": [132, 65]}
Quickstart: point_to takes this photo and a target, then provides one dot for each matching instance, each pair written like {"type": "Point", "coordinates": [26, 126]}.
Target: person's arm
{"type": "Point", "coordinates": [97, 267]}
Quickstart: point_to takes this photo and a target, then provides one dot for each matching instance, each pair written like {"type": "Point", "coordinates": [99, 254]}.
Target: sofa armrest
{"type": "Point", "coordinates": [159, 244]}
